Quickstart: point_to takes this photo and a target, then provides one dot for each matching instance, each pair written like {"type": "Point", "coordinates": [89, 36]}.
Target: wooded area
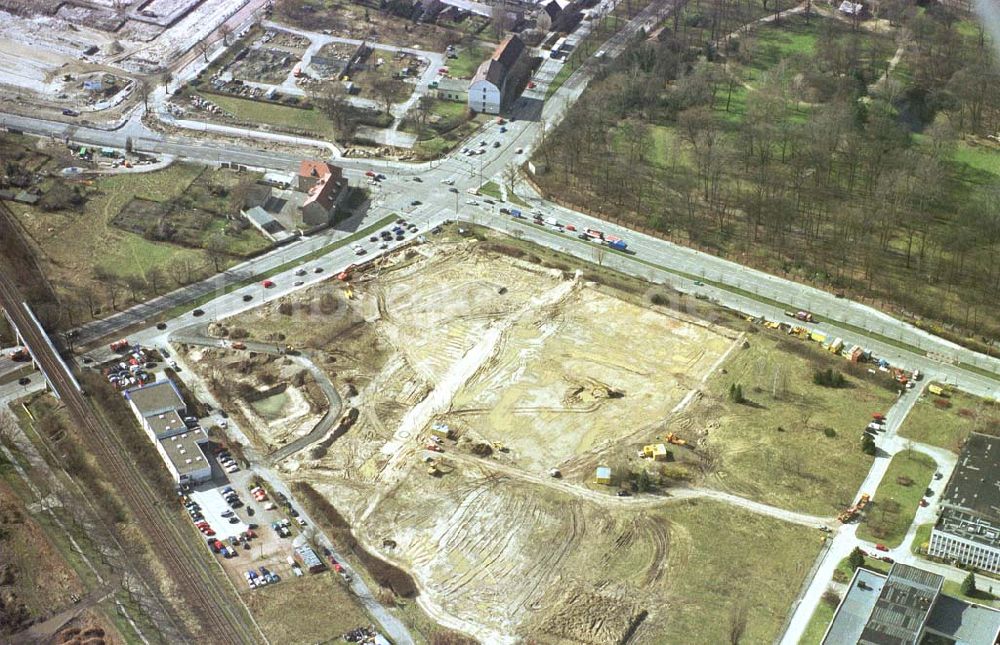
{"type": "Point", "coordinates": [851, 154]}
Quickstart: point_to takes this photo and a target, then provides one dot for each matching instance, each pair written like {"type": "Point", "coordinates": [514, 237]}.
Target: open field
{"type": "Point", "coordinates": [947, 422]}
{"type": "Point", "coordinates": [474, 541]}
{"type": "Point", "coordinates": [281, 117]}
{"type": "Point", "coordinates": [468, 61]}
{"type": "Point", "coordinates": [25, 553]}
{"type": "Point", "coordinates": [895, 502]}
{"type": "Point", "coordinates": [313, 609]}
{"type": "Point", "coordinates": [354, 20]}
{"type": "Point", "coordinates": [778, 447]}
{"type": "Point", "coordinates": [75, 242]}
{"type": "Point", "coordinates": [503, 347]}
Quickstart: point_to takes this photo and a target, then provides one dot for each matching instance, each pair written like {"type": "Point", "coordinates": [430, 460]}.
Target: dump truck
{"type": "Point", "coordinates": [837, 345]}
{"type": "Point", "coordinates": [20, 354]}
{"type": "Point", "coordinates": [852, 512]}
{"type": "Point", "coordinates": [937, 390]}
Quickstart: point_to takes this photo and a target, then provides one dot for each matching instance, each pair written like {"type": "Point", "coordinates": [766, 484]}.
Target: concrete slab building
{"type": "Point", "coordinates": [968, 527]}
{"type": "Point", "coordinates": [906, 607]}
{"type": "Point", "coordinates": [159, 408]}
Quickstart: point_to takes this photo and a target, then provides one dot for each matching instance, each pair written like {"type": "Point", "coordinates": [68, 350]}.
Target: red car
{"type": "Point", "coordinates": [268, 284]}
{"type": "Point", "coordinates": [434, 447]}
{"type": "Point", "coordinates": [923, 502]}
{"type": "Point", "coordinates": [531, 85]}
{"type": "Point", "coordinates": [881, 547]}
{"type": "Point", "coordinates": [570, 227]}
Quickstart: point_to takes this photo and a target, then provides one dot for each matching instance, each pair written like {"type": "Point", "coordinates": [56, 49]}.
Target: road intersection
{"type": "Point", "coordinates": [417, 192]}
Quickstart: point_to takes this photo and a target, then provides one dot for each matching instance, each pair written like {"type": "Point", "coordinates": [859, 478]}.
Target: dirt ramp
{"type": "Point", "coordinates": [585, 617]}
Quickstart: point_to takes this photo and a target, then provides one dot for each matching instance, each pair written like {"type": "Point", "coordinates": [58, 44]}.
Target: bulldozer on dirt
{"type": "Point", "coordinates": [671, 437]}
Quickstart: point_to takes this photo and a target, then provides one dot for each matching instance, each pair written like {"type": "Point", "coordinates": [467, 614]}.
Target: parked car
{"type": "Point", "coordinates": [881, 547]}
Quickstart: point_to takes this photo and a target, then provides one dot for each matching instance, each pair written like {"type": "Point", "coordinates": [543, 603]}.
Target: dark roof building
{"type": "Point", "coordinates": [552, 8]}
{"type": "Point", "coordinates": [968, 526]}
{"type": "Point", "coordinates": [906, 607]}
{"type": "Point", "coordinates": [902, 608]}
{"type": "Point", "coordinates": [489, 91]}
{"type": "Point", "coordinates": [310, 561]}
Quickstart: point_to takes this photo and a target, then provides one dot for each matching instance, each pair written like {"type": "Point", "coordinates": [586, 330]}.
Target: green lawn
{"type": "Point", "coordinates": [448, 109]}
{"type": "Point", "coordinates": [467, 62]}
{"type": "Point", "coordinates": [923, 536]}
{"type": "Point", "coordinates": [775, 448]}
{"type": "Point", "coordinates": [981, 595]}
{"type": "Point", "coordinates": [894, 503]}
{"type": "Point", "coordinates": [490, 189]}
{"type": "Point", "coordinates": [437, 139]}
{"type": "Point", "coordinates": [279, 117]}
{"type": "Point", "coordinates": [986, 159]}
{"type": "Point", "coordinates": [844, 572]}
{"type": "Point", "coordinates": [948, 427]}
{"type": "Point", "coordinates": [818, 624]}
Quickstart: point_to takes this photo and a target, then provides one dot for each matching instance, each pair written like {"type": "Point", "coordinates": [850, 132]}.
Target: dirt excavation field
{"type": "Point", "coordinates": [533, 366]}
{"type": "Point", "coordinates": [274, 398]}
{"type": "Point", "coordinates": [527, 563]}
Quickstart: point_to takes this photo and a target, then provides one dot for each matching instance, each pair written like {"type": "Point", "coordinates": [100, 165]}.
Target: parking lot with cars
{"type": "Point", "coordinates": [251, 532]}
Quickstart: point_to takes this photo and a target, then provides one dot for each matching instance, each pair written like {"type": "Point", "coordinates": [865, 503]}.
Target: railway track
{"type": "Point", "coordinates": [213, 600]}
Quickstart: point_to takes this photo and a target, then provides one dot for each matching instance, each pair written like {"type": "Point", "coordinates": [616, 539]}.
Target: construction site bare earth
{"type": "Point", "coordinates": [489, 391]}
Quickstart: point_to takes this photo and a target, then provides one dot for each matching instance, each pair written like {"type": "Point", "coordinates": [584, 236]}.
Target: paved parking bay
{"type": "Point", "coordinates": [209, 496]}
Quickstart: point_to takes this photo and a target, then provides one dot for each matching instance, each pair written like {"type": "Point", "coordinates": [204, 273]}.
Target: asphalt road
{"type": "Point", "coordinates": [415, 191]}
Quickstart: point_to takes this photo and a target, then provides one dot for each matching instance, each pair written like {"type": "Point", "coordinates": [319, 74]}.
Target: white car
{"type": "Point", "coordinates": [448, 181]}
{"type": "Point", "coordinates": [233, 469]}
{"type": "Point", "coordinates": [471, 202]}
